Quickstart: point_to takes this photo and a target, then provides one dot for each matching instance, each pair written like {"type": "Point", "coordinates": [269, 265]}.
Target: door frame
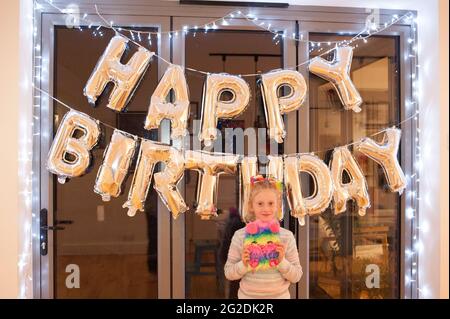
{"type": "Point", "coordinates": [289, 59]}
{"type": "Point", "coordinates": [163, 14]}
{"type": "Point", "coordinates": [353, 25]}
{"type": "Point", "coordinates": [44, 286]}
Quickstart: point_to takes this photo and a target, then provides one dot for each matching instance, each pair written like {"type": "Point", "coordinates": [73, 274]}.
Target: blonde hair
{"type": "Point", "coordinates": [257, 187]}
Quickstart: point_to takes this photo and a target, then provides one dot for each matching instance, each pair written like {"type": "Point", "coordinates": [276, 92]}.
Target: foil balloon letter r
{"type": "Point", "coordinates": [150, 154]}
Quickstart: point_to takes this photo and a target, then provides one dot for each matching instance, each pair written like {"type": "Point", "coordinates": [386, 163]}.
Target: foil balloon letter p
{"type": "Point", "coordinates": [177, 112]}
{"type": "Point", "coordinates": [214, 107]}
{"type": "Point", "coordinates": [69, 156]}
{"type": "Point", "coordinates": [323, 187]}
{"type": "Point", "coordinates": [274, 105]}
{"type": "Point", "coordinates": [385, 154]}
{"type": "Point", "coordinates": [338, 73]}
{"type": "Point", "coordinates": [124, 76]}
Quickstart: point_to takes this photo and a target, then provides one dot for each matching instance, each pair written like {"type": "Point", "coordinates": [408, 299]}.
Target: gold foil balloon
{"type": "Point", "coordinates": [275, 170]}
{"type": "Point", "coordinates": [356, 189]}
{"type": "Point", "coordinates": [214, 107]}
{"type": "Point", "coordinates": [116, 162]}
{"type": "Point", "coordinates": [150, 154]}
{"type": "Point", "coordinates": [177, 112]}
{"type": "Point", "coordinates": [337, 72]}
{"type": "Point", "coordinates": [248, 168]}
{"type": "Point", "coordinates": [323, 187]}
{"type": "Point", "coordinates": [124, 76]}
{"type": "Point", "coordinates": [210, 166]}
{"type": "Point", "coordinates": [69, 156]}
{"type": "Point", "coordinates": [275, 105]}
{"type": "Point", "coordinates": [166, 181]}
{"type": "Point", "coordinates": [385, 154]}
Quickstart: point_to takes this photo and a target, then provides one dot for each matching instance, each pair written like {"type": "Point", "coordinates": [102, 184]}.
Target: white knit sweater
{"type": "Point", "coordinates": [271, 284]}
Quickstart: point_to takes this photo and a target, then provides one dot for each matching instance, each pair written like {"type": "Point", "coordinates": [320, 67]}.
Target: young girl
{"type": "Point", "coordinates": [264, 204]}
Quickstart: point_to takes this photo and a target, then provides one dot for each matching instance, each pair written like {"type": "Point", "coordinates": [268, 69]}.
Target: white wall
{"type": "Point", "coordinates": [433, 57]}
{"type": "Point", "coordinates": [443, 100]}
{"type": "Point", "coordinates": [9, 90]}
{"type": "Point", "coordinates": [15, 159]}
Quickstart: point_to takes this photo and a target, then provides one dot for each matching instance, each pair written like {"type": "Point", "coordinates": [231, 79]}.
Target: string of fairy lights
{"type": "Point", "coordinates": [226, 20]}
{"type": "Point", "coordinates": [136, 36]}
{"type": "Point", "coordinates": [412, 211]}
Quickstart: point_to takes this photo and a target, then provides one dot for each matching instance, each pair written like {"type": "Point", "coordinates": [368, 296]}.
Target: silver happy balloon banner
{"type": "Point", "coordinates": [126, 78]}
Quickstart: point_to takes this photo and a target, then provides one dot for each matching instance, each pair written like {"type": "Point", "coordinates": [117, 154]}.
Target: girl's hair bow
{"type": "Point", "coordinates": [259, 179]}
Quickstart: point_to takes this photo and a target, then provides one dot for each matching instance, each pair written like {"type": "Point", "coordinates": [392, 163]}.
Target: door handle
{"type": "Point", "coordinates": [43, 232]}
{"type": "Point", "coordinates": [44, 228]}
{"type": "Point", "coordinates": [52, 228]}
{"type": "Point", "coordinates": [63, 222]}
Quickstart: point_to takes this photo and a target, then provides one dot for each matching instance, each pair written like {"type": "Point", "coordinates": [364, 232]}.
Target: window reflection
{"type": "Point", "coordinates": [207, 242]}
{"type": "Point", "coordinates": [347, 248]}
{"type": "Point", "coordinates": [116, 254]}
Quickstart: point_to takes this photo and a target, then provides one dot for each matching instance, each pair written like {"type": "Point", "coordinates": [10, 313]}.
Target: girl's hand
{"type": "Point", "coordinates": [245, 256]}
{"type": "Point", "coordinates": [281, 249]}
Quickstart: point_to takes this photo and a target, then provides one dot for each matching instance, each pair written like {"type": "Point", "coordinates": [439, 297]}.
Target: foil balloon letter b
{"type": "Point", "coordinates": [69, 156]}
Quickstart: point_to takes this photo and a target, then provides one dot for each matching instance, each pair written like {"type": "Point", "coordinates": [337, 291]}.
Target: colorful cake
{"type": "Point", "coordinates": [262, 240]}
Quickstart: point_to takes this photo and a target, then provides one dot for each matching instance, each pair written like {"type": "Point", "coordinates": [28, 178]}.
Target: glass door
{"type": "Point", "coordinates": [345, 249]}
{"type": "Point", "coordinates": [154, 256]}
{"type": "Point", "coordinates": [94, 249]}
{"type": "Point", "coordinates": [201, 247]}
